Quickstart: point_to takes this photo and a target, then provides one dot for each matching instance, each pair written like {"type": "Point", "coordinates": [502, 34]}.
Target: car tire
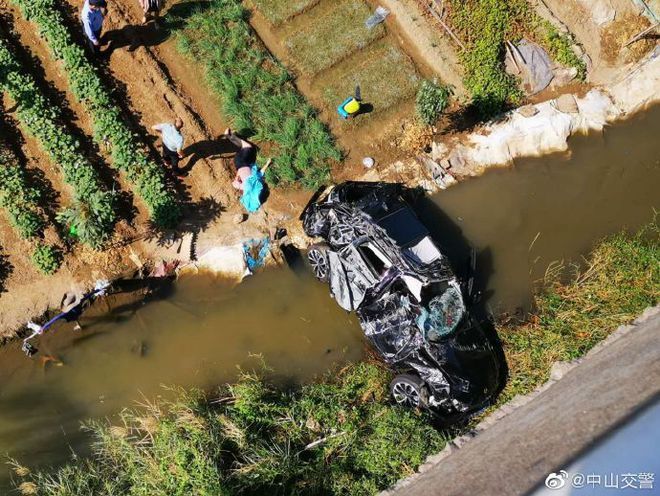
{"type": "Point", "coordinates": [317, 255]}
{"type": "Point", "coordinates": [409, 390]}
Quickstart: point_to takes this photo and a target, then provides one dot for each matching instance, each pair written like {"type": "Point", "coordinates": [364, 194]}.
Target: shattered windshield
{"type": "Point", "coordinates": [443, 314]}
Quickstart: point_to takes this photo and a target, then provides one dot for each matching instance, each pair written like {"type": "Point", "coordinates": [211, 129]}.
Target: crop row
{"type": "Point", "coordinates": [88, 88]}
{"type": "Point", "coordinates": [257, 92]}
{"type": "Point", "coordinates": [93, 216]}
{"type": "Point", "coordinates": [19, 200]}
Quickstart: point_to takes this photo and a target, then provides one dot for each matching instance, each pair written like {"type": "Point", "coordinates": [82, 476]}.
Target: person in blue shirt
{"type": "Point", "coordinates": [92, 16]}
{"type": "Point", "coordinates": [172, 138]}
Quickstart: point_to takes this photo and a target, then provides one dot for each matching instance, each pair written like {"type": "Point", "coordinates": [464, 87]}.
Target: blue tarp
{"type": "Point", "coordinates": [252, 190]}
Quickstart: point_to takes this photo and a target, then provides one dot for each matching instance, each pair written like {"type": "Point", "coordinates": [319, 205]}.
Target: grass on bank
{"type": "Point", "coordinates": [256, 91]}
{"type": "Point", "coordinates": [621, 279]}
{"type": "Point", "coordinates": [278, 11]}
{"type": "Point", "coordinates": [484, 26]}
{"type": "Point", "coordinates": [341, 436]}
{"type": "Point", "coordinates": [385, 74]}
{"type": "Point", "coordinates": [329, 33]}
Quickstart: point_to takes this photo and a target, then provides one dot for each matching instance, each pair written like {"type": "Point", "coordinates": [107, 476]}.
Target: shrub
{"type": "Point", "coordinates": [47, 258]}
{"type": "Point", "coordinates": [432, 99]}
{"type": "Point", "coordinates": [109, 126]}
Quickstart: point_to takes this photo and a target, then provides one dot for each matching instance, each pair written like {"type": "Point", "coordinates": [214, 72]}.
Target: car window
{"type": "Point", "coordinates": [374, 260]}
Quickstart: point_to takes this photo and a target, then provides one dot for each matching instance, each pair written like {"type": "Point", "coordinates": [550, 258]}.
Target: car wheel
{"type": "Point", "coordinates": [318, 260]}
{"type": "Point", "coordinates": [409, 390]}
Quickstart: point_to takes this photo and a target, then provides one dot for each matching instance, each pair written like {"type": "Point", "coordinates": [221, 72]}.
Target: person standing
{"type": "Point", "coordinates": [172, 149]}
{"type": "Point", "coordinates": [92, 16]}
{"type": "Point", "coordinates": [151, 8]}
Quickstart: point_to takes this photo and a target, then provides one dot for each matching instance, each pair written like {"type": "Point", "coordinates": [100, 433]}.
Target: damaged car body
{"type": "Point", "coordinates": [381, 262]}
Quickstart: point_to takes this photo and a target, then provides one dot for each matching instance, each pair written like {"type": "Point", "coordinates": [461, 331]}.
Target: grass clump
{"type": "Point", "coordinates": [329, 33]}
{"type": "Point", "coordinates": [621, 279]}
{"type": "Point", "coordinates": [385, 74]}
{"type": "Point", "coordinates": [47, 258]}
{"type": "Point", "coordinates": [432, 100]}
{"type": "Point", "coordinates": [278, 11]}
{"type": "Point", "coordinates": [337, 436]}
{"type": "Point", "coordinates": [257, 92]}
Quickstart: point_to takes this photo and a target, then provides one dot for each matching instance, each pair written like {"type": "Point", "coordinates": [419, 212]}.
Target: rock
{"type": "Point", "coordinates": [566, 104]}
{"type": "Point", "coordinates": [528, 111]}
{"type": "Point", "coordinates": [601, 11]}
{"type": "Point", "coordinates": [559, 369]}
{"type": "Point", "coordinates": [239, 218]}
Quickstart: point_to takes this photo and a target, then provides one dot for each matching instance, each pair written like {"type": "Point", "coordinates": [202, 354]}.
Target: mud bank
{"type": "Point", "coordinates": [529, 131]}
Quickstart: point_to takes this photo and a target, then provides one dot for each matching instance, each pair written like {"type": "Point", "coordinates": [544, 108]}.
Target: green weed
{"type": "Point", "coordinates": [432, 100]}
{"type": "Point", "coordinates": [337, 436]}
{"type": "Point", "coordinates": [47, 258]}
{"type": "Point", "coordinates": [484, 26]}
{"type": "Point", "coordinates": [621, 279]}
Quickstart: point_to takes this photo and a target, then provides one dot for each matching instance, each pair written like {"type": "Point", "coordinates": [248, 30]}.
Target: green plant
{"type": "Point", "coordinates": [484, 26]}
{"type": "Point", "coordinates": [19, 199]}
{"type": "Point", "coordinates": [257, 92]}
{"type": "Point", "coordinates": [88, 220]}
{"type": "Point", "coordinates": [432, 100]}
{"type": "Point", "coordinates": [40, 118]}
{"type": "Point", "coordinates": [560, 47]}
{"type": "Point", "coordinates": [47, 258]}
{"type": "Point", "coordinates": [109, 126]}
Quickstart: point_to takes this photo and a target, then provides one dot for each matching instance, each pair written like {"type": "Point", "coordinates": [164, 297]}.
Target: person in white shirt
{"type": "Point", "coordinates": [172, 149]}
{"type": "Point", "coordinates": [91, 17]}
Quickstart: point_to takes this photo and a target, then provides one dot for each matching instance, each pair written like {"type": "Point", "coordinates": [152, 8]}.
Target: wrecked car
{"type": "Point", "coordinates": [381, 262]}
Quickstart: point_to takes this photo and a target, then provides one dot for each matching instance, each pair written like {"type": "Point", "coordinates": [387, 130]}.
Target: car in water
{"type": "Point", "coordinates": [380, 261]}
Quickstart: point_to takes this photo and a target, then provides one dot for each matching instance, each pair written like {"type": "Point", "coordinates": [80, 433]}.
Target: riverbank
{"type": "Point", "coordinates": [530, 131]}
{"type": "Point", "coordinates": [341, 434]}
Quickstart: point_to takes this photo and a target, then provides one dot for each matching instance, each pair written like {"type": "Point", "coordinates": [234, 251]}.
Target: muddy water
{"type": "Point", "coordinates": [552, 209]}
{"type": "Point", "coordinates": [198, 336]}
{"type": "Point", "coordinates": [520, 220]}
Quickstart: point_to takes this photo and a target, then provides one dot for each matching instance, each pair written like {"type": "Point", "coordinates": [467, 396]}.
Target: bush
{"type": "Point", "coordinates": [432, 100]}
{"type": "Point", "coordinates": [47, 258]}
{"type": "Point", "coordinates": [484, 26]}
